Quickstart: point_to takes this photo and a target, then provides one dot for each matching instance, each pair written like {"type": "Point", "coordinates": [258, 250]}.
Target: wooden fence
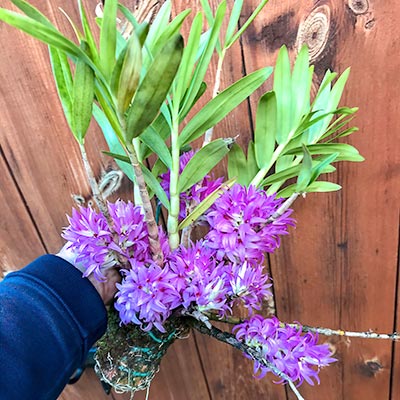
{"type": "Point", "coordinates": [338, 268]}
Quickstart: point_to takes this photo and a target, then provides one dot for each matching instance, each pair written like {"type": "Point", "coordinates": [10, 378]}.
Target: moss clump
{"type": "Point", "coordinates": [128, 358]}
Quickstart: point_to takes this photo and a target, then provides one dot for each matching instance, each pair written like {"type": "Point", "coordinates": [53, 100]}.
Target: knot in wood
{"type": "Point", "coordinates": [358, 6]}
{"type": "Point", "coordinates": [314, 31]}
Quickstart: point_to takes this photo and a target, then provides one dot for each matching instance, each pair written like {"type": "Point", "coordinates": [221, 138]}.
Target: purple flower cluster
{"type": "Point", "coordinates": [192, 279]}
{"type": "Point", "coordinates": [297, 355]}
{"type": "Point", "coordinates": [238, 224]}
{"type": "Point", "coordinates": [92, 239]}
{"type": "Point", "coordinates": [146, 296]}
{"type": "Point", "coordinates": [196, 193]}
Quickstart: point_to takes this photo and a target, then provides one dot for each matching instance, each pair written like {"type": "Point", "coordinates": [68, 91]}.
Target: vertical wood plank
{"type": "Point", "coordinates": [19, 240]}
{"type": "Point", "coordinates": [342, 255]}
{"type": "Point", "coordinates": [45, 162]}
{"type": "Point", "coordinates": [229, 374]}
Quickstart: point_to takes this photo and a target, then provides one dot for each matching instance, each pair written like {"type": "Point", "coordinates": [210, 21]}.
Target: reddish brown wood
{"type": "Point", "coordinates": [337, 269]}
{"type": "Point", "coordinates": [45, 162]}
{"type": "Point", "coordinates": [19, 240]}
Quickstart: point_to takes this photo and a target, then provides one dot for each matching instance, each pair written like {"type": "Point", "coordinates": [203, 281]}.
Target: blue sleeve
{"type": "Point", "coordinates": [49, 318]}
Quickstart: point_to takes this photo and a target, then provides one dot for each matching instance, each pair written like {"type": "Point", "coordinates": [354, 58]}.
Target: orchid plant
{"type": "Point", "coordinates": [141, 84]}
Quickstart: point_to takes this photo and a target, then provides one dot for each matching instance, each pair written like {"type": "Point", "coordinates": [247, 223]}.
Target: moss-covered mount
{"type": "Point", "coordinates": [128, 358]}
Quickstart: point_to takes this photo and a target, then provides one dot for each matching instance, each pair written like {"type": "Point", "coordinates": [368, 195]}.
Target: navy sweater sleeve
{"type": "Point", "coordinates": [49, 318]}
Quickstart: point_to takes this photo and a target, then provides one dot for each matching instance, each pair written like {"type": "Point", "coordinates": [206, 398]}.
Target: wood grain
{"type": "Point", "coordinates": [338, 268]}
{"type": "Point", "coordinates": [46, 164]}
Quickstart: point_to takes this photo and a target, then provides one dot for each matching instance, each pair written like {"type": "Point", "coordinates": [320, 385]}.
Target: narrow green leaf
{"type": "Point", "coordinates": [291, 173]}
{"type": "Point", "coordinates": [116, 149]}
{"type": "Point", "coordinates": [246, 24]}
{"type": "Point", "coordinates": [237, 165]}
{"type": "Point", "coordinates": [83, 94]}
{"type": "Point", "coordinates": [130, 73]}
{"type": "Point", "coordinates": [160, 22]}
{"type": "Point", "coordinates": [155, 186]}
{"type": "Point", "coordinates": [41, 31]}
{"type": "Point", "coordinates": [77, 32]}
{"type": "Point", "coordinates": [326, 148]}
{"type": "Point", "coordinates": [282, 89]}
{"type": "Point", "coordinates": [305, 171]}
{"type": "Point", "coordinates": [116, 73]}
{"type": "Point", "coordinates": [108, 37]}
{"type": "Point", "coordinates": [32, 12]}
{"type": "Point", "coordinates": [322, 186]}
{"type": "Point", "coordinates": [233, 20]}
{"type": "Point", "coordinates": [319, 168]}
{"type": "Point", "coordinates": [63, 79]}
{"type": "Point", "coordinates": [252, 167]}
{"type": "Point", "coordinates": [169, 31]}
{"type": "Point", "coordinates": [202, 90]}
{"type": "Point", "coordinates": [202, 163]}
{"type": "Point", "coordinates": [153, 89]}
{"type": "Point", "coordinates": [205, 5]}
{"type": "Point", "coordinates": [88, 33]}
{"type": "Point", "coordinates": [205, 58]}
{"type": "Point", "coordinates": [221, 105]}
{"type": "Point", "coordinates": [264, 134]}
{"type": "Point", "coordinates": [154, 142]}
{"type": "Point", "coordinates": [204, 205]}
{"type": "Point", "coordinates": [188, 58]}
{"type": "Point", "coordinates": [301, 85]}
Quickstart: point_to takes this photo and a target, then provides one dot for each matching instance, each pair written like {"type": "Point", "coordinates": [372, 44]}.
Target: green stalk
{"type": "Point", "coordinates": [173, 231]}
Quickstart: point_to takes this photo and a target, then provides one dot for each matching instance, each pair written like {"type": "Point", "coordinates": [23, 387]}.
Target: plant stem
{"type": "Point", "coordinates": [209, 133]}
{"type": "Point", "coordinates": [340, 332]}
{"type": "Point", "coordinates": [173, 222]}
{"type": "Point", "coordinates": [321, 331]}
{"type": "Point", "coordinates": [97, 197]}
{"type": "Point", "coordinates": [230, 339]}
{"type": "Point", "coordinates": [152, 228]}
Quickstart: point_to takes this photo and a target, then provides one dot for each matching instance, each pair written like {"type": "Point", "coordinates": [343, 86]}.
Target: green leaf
{"type": "Point", "coordinates": [322, 186]}
{"type": "Point", "coordinates": [318, 186]}
{"type": "Point", "coordinates": [221, 105]}
{"type": "Point", "coordinates": [154, 88]}
{"type": "Point", "coordinates": [301, 85]}
{"type": "Point", "coordinates": [63, 79]}
{"type": "Point", "coordinates": [155, 186]}
{"type": "Point", "coordinates": [252, 167]}
{"type": "Point", "coordinates": [83, 94]}
{"type": "Point", "coordinates": [205, 58]}
{"type": "Point", "coordinates": [202, 163]}
{"type": "Point", "coordinates": [246, 24]}
{"type": "Point", "coordinates": [42, 32]}
{"type": "Point", "coordinates": [319, 168]}
{"type": "Point", "coordinates": [282, 89]}
{"type": "Point", "coordinates": [327, 101]}
{"type": "Point", "coordinates": [108, 37]}
{"type": "Point", "coordinates": [326, 148]}
{"type": "Point", "coordinates": [204, 205]}
{"type": "Point", "coordinates": [237, 165]}
{"type": "Point", "coordinates": [169, 31]}
{"type": "Point", "coordinates": [264, 134]}
{"type": "Point", "coordinates": [32, 12]}
{"type": "Point", "coordinates": [233, 20]}
{"type": "Point", "coordinates": [158, 25]}
{"type": "Point", "coordinates": [188, 58]}
{"type": "Point", "coordinates": [88, 33]}
{"type": "Point", "coordinates": [291, 172]}
{"type": "Point", "coordinates": [116, 149]}
{"type": "Point", "coordinates": [305, 171]}
{"type": "Point", "coordinates": [130, 73]}
{"type": "Point", "coordinates": [153, 140]}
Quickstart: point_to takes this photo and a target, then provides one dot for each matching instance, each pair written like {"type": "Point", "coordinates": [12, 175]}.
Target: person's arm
{"type": "Point", "coordinates": [49, 318]}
